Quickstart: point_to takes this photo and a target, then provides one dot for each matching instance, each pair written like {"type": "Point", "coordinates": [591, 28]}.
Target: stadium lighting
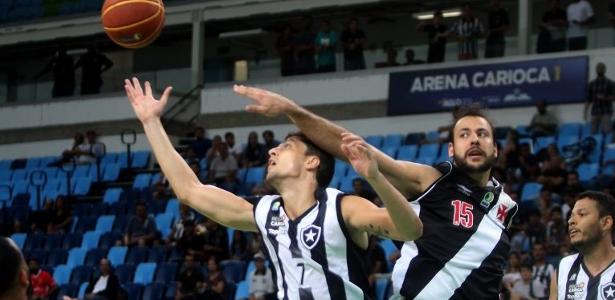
{"type": "Point", "coordinates": [240, 33]}
{"type": "Point", "coordinates": [428, 15]}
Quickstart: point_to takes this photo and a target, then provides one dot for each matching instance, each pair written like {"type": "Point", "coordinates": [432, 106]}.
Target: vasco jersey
{"type": "Point", "coordinates": [465, 241]}
{"type": "Point", "coordinates": [575, 282]}
{"type": "Point", "coordinates": [314, 257]}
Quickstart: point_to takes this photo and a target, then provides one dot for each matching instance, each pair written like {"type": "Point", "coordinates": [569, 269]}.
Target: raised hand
{"type": "Point", "coordinates": [265, 102]}
{"type": "Point", "coordinates": [360, 156]}
{"type": "Point", "coordinates": [145, 105]}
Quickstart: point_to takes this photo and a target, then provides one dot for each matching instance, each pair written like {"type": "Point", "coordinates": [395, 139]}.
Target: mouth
{"type": "Point", "coordinates": [271, 163]}
{"type": "Point", "coordinates": [475, 153]}
{"type": "Point", "coordinates": [573, 231]}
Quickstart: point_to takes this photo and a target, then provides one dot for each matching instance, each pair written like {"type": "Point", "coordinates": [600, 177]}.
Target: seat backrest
{"type": "Point", "coordinates": [117, 255]}
{"type": "Point", "coordinates": [145, 273]}
{"type": "Point", "coordinates": [61, 274]}
{"type": "Point", "coordinates": [105, 223]}
{"type": "Point", "coordinates": [76, 257]}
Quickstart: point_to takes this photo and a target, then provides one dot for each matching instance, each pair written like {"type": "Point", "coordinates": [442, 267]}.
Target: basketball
{"type": "Point", "coordinates": [133, 23]}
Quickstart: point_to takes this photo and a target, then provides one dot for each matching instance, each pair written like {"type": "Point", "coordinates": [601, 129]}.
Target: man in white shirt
{"type": "Point", "coordinates": [580, 15]}
{"type": "Point", "coordinates": [222, 165]}
{"type": "Point", "coordinates": [261, 282]}
{"type": "Point", "coordinates": [104, 287]}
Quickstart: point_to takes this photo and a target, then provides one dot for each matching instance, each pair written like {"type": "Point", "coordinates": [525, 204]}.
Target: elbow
{"type": "Point", "coordinates": [185, 192]}
{"type": "Point", "coordinates": [415, 232]}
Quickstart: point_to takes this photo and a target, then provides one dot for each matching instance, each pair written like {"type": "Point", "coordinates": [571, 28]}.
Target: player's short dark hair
{"type": "Point", "coordinates": [10, 260]}
{"type": "Point", "coordinates": [606, 203]}
{"type": "Point", "coordinates": [325, 170]}
{"type": "Point", "coordinates": [473, 110]}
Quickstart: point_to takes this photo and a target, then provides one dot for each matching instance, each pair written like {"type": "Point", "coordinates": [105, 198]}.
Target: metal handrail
{"type": "Point", "coordinates": [179, 105]}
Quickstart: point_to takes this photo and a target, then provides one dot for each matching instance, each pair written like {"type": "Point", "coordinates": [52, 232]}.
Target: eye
{"type": "Point", "coordinates": [464, 135]}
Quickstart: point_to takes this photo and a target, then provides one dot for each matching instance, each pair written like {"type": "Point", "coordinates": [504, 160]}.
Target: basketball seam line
{"type": "Point", "coordinates": [135, 24]}
{"type": "Point", "coordinates": [160, 9]}
{"type": "Point", "coordinates": [145, 41]}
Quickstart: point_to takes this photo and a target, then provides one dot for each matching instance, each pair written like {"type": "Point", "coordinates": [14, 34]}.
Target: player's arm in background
{"type": "Point", "coordinates": [217, 204]}
{"type": "Point", "coordinates": [409, 178]}
{"type": "Point", "coordinates": [553, 287]}
{"type": "Point", "coordinates": [398, 220]}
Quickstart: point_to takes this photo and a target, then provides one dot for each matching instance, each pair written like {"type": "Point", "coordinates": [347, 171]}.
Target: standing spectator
{"type": "Point", "coordinates": [88, 153]}
{"type": "Point", "coordinates": [214, 283]}
{"type": "Point", "coordinates": [61, 217]}
{"type": "Point", "coordinates": [190, 280]}
{"type": "Point", "coordinates": [141, 229]}
{"type": "Point", "coordinates": [270, 141]}
{"type": "Point", "coordinates": [437, 32]}
{"type": "Point", "coordinates": [43, 284]}
{"type": "Point", "coordinates": [93, 64]}
{"type": "Point", "coordinates": [580, 15]}
{"type": "Point", "coordinates": [62, 67]}
{"type": "Point", "coordinates": [233, 148]}
{"type": "Point", "coordinates": [601, 93]}
{"type": "Point", "coordinates": [254, 154]}
{"type": "Point", "coordinates": [353, 41]}
{"type": "Point", "coordinates": [543, 122]}
{"type": "Point", "coordinates": [468, 29]}
{"type": "Point", "coordinates": [495, 43]}
{"type": "Point", "coordinates": [552, 36]}
{"type": "Point", "coordinates": [326, 41]}
{"type": "Point", "coordinates": [105, 286]}
{"type": "Point", "coordinates": [541, 273]}
{"type": "Point", "coordinates": [222, 165]}
{"type": "Point", "coordinates": [305, 49]}
{"type": "Point", "coordinates": [200, 144]}
{"type": "Point", "coordinates": [410, 58]}
{"type": "Point", "coordinates": [286, 49]}
{"type": "Point", "coordinates": [261, 283]}
{"type": "Point", "coordinates": [190, 242]}
{"type": "Point", "coordinates": [216, 240]}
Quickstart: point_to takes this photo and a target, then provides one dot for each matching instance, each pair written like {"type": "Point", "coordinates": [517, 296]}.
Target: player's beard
{"type": "Point", "coordinates": [462, 163]}
{"type": "Point", "coordinates": [592, 238]}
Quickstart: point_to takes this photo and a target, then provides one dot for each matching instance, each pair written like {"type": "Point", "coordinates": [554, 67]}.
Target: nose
{"type": "Point", "coordinates": [571, 221]}
{"type": "Point", "coordinates": [273, 151]}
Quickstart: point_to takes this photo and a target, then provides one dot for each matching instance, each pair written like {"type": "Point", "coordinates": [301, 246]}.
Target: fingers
{"type": "Point", "coordinates": [148, 89]}
{"type": "Point", "coordinates": [128, 88]}
{"type": "Point", "coordinates": [165, 95]}
{"type": "Point", "coordinates": [253, 108]}
{"type": "Point", "coordinates": [137, 90]}
{"type": "Point", "coordinates": [250, 92]}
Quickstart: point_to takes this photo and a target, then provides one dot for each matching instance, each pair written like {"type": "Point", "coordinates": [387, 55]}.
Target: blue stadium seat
{"type": "Point", "coordinates": [117, 255]}
{"type": "Point", "coordinates": [20, 187]}
{"type": "Point", "coordinates": [566, 140]}
{"type": "Point", "coordinates": [39, 254]}
{"type": "Point", "coordinates": [81, 186]}
{"type": "Point", "coordinates": [82, 288]}
{"type": "Point", "coordinates": [61, 274]}
{"type": "Point", "coordinates": [255, 175]}
{"type": "Point", "coordinates": [140, 159]}
{"type": "Point", "coordinates": [112, 195]}
{"type": "Point", "coordinates": [105, 223]}
{"type": "Point", "coordinates": [530, 191]}
{"type": "Point", "coordinates": [393, 140]}
{"type": "Point", "coordinates": [67, 289]}
{"type": "Point", "coordinates": [432, 137]}
{"type": "Point", "coordinates": [166, 272]}
{"type": "Point", "coordinates": [19, 239]}
{"type": "Point", "coordinates": [233, 270]}
{"type": "Point", "coordinates": [609, 156]}
{"type": "Point", "coordinates": [443, 155]}
{"type": "Point", "coordinates": [389, 248]}
{"type": "Point", "coordinates": [142, 181]}
{"type": "Point", "coordinates": [428, 153]}
{"type": "Point", "coordinates": [542, 142]}
{"type": "Point", "coordinates": [570, 129]}
{"type": "Point", "coordinates": [375, 140]}
{"type": "Point", "coordinates": [93, 173]}
{"type": "Point", "coordinates": [111, 173]}
{"type": "Point", "coordinates": [171, 290]}
{"type": "Point", "coordinates": [335, 182]}
{"type": "Point", "coordinates": [124, 272]}
{"type": "Point", "coordinates": [243, 290]}
{"type": "Point", "coordinates": [5, 164]}
{"type": "Point", "coordinates": [586, 129]}
{"type": "Point", "coordinates": [56, 257]}
{"type": "Point", "coordinates": [108, 239]}
{"type": "Point", "coordinates": [414, 138]}
{"type": "Point", "coordinates": [407, 152]}
{"type": "Point", "coordinates": [501, 132]}
{"type": "Point", "coordinates": [137, 255]}
{"type": "Point", "coordinates": [391, 151]}
{"type": "Point", "coordinates": [81, 171]}
{"type": "Point", "coordinates": [35, 241]}
{"type": "Point", "coordinates": [76, 257]}
{"type": "Point", "coordinates": [381, 286]}
{"type": "Point", "coordinates": [157, 254]}
{"type": "Point", "coordinates": [173, 207]}
{"type": "Point", "coordinates": [341, 167]}
{"type": "Point", "coordinates": [81, 274]}
{"type": "Point", "coordinates": [134, 290]}
{"type": "Point", "coordinates": [346, 184]}
{"type": "Point", "coordinates": [19, 174]}
{"type": "Point", "coordinates": [145, 273]}
{"type": "Point", "coordinates": [93, 256]}
{"type": "Point", "coordinates": [163, 223]}
{"type": "Point", "coordinates": [153, 291]}
{"type": "Point", "coordinates": [90, 239]}
{"type": "Point", "coordinates": [5, 175]}
{"type": "Point", "coordinates": [250, 269]}
{"type": "Point", "coordinates": [109, 158]}
{"type": "Point", "coordinates": [588, 172]}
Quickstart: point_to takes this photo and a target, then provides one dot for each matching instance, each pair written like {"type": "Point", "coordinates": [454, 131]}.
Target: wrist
{"type": "Point", "coordinates": [150, 121]}
{"type": "Point", "coordinates": [375, 179]}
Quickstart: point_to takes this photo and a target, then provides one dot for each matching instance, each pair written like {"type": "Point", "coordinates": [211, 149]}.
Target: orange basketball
{"type": "Point", "coordinates": [132, 23]}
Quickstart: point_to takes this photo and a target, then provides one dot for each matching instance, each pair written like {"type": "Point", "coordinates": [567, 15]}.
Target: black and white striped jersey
{"type": "Point", "coordinates": [313, 256]}
{"type": "Point", "coordinates": [465, 241]}
{"type": "Point", "coordinates": [574, 281]}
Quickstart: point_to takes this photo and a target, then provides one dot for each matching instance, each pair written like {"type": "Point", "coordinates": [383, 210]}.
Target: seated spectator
{"type": "Point", "coordinates": [270, 141]}
{"type": "Point", "coordinates": [214, 283]}
{"type": "Point", "coordinates": [69, 154]}
{"type": "Point", "coordinates": [231, 184]}
{"type": "Point", "coordinates": [509, 157]}
{"type": "Point", "coordinates": [410, 58]}
{"type": "Point", "coordinates": [239, 246]}
{"type": "Point", "coordinates": [557, 229]}
{"type": "Point", "coordinates": [545, 203]}
{"type": "Point", "coordinates": [185, 215]}
{"type": "Point", "coordinates": [233, 148]}
{"type": "Point", "coordinates": [543, 122]}
{"type": "Point", "coordinates": [61, 217]}
{"type": "Point", "coordinates": [512, 273]}
{"type": "Point", "coordinates": [190, 156]}
{"type": "Point", "coordinates": [223, 165]}
{"type": "Point", "coordinates": [530, 170]}
{"type": "Point", "coordinates": [92, 150]}
{"type": "Point", "coordinates": [105, 286]}
{"type": "Point", "coordinates": [190, 242]}
{"type": "Point", "coordinates": [42, 283]}
{"type": "Point", "coordinates": [196, 168]}
{"type": "Point", "coordinates": [253, 154]}
{"type": "Point", "coordinates": [190, 281]}
{"type": "Point", "coordinates": [141, 229]}
{"type": "Point", "coordinates": [261, 284]}
{"type": "Point", "coordinates": [214, 150]}
{"type": "Point", "coordinates": [200, 144]}
{"type": "Point", "coordinates": [391, 59]}
{"type": "Point", "coordinates": [161, 193]}
{"type": "Point", "coordinates": [536, 230]}
{"type": "Point", "coordinates": [361, 189]}
{"type": "Point", "coordinates": [39, 219]}
{"type": "Point", "coordinates": [521, 288]}
{"type": "Point", "coordinates": [520, 242]}
{"type": "Point", "coordinates": [255, 245]}
{"type": "Point", "coordinates": [553, 174]}
{"type": "Point", "coordinates": [573, 185]}
{"type": "Point", "coordinates": [216, 240]}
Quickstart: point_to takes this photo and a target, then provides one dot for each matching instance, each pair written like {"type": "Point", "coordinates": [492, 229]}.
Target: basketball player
{"type": "Point", "coordinates": [314, 237]}
{"type": "Point", "coordinates": [589, 274]}
{"type": "Point", "coordinates": [15, 277]}
{"type": "Point", "coordinates": [464, 211]}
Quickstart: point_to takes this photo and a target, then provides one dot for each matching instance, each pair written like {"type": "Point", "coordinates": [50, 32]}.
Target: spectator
{"type": "Point", "coordinates": [437, 32]}
{"type": "Point", "coordinates": [61, 217]}
{"type": "Point", "coordinates": [543, 122]}
{"type": "Point", "coordinates": [305, 49]}
{"type": "Point", "coordinates": [468, 30]}
{"type": "Point", "coordinates": [254, 154]}
{"type": "Point", "coordinates": [326, 42]}
{"type": "Point", "coordinates": [261, 283]}
{"type": "Point", "coordinates": [509, 157]}
{"type": "Point", "coordinates": [536, 230]}
{"type": "Point", "coordinates": [512, 273]}
{"type": "Point", "coordinates": [200, 144]}
{"type": "Point", "coordinates": [541, 273]}
{"type": "Point", "coordinates": [70, 154]}
{"type": "Point", "coordinates": [161, 193]}
{"type": "Point", "coordinates": [498, 24]}
{"type": "Point", "coordinates": [105, 286]}
{"type": "Point", "coordinates": [190, 242]}
{"type": "Point", "coordinates": [391, 59]}
{"type": "Point", "coordinates": [580, 15]}
{"type": "Point", "coordinates": [62, 67]}
{"type": "Point", "coordinates": [557, 229]}
{"type": "Point", "coordinates": [601, 94]}
{"type": "Point", "coordinates": [360, 189]}
{"type": "Point", "coordinates": [222, 165]}
{"type": "Point", "coordinates": [190, 281]}
{"type": "Point", "coordinates": [90, 152]}
{"type": "Point", "coordinates": [141, 229]}
{"type": "Point", "coordinates": [216, 240]}
{"type": "Point", "coordinates": [353, 41]}
{"type": "Point", "coordinates": [530, 169]}
{"type": "Point", "coordinates": [39, 219]}
{"type": "Point", "coordinates": [239, 246]}
{"type": "Point", "coordinates": [196, 168]}
{"type": "Point", "coordinates": [190, 156]}
{"type": "Point", "coordinates": [573, 185]}
{"type": "Point", "coordinates": [93, 64]}
{"type": "Point", "coordinates": [523, 289]}
{"type": "Point", "coordinates": [43, 284]}
{"type": "Point", "coordinates": [231, 183]}
{"type": "Point", "coordinates": [14, 282]}
{"type": "Point", "coordinates": [552, 36]}
{"type": "Point", "coordinates": [376, 263]}
{"type": "Point", "coordinates": [285, 45]}
{"type": "Point", "coordinates": [410, 58]}
{"type": "Point", "coordinates": [233, 148]}
{"type": "Point", "coordinates": [214, 151]}
{"type": "Point", "coordinates": [553, 176]}
{"type": "Point", "coordinates": [545, 203]}
{"type": "Point", "coordinates": [520, 242]}
{"type": "Point", "coordinates": [214, 283]}
{"type": "Point", "coordinates": [569, 200]}
{"type": "Point", "coordinates": [270, 141]}
{"type": "Point", "coordinates": [185, 214]}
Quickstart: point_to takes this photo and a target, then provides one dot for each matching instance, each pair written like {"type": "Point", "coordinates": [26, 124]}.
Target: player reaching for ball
{"type": "Point", "coordinates": [314, 236]}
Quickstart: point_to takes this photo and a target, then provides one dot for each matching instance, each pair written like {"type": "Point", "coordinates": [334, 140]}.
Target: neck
{"type": "Point", "coordinates": [599, 256]}
{"type": "Point", "coordinates": [482, 178]}
{"type": "Point", "coordinates": [298, 195]}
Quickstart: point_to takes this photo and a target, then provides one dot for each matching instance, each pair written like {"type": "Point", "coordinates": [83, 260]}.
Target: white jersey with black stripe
{"type": "Point", "coordinates": [574, 281]}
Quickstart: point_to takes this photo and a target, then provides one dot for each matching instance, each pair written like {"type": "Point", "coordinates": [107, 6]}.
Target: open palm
{"type": "Point", "coordinates": [359, 155]}
{"type": "Point", "coordinates": [146, 107]}
{"type": "Point", "coordinates": [265, 102]}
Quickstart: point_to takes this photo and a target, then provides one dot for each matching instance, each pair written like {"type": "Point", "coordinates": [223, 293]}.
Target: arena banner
{"type": "Point", "coordinates": [557, 80]}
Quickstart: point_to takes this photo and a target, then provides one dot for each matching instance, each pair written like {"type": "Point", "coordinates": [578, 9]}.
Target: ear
{"type": "Point", "coordinates": [495, 149]}
{"type": "Point", "coordinates": [451, 149]}
{"type": "Point", "coordinates": [312, 162]}
{"type": "Point", "coordinates": [24, 278]}
{"type": "Point", "coordinates": [607, 224]}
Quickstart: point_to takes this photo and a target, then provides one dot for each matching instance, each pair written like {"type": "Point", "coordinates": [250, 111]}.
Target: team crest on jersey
{"type": "Point", "coordinates": [608, 291]}
{"type": "Point", "coordinates": [310, 236]}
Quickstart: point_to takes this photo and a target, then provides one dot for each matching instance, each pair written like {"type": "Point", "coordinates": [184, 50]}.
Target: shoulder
{"type": "Point", "coordinates": [567, 261]}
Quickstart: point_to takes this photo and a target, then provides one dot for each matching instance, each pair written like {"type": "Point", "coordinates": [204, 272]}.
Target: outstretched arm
{"type": "Point", "coordinates": [409, 178]}
{"type": "Point", "coordinates": [398, 221]}
{"type": "Point", "coordinates": [217, 204]}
